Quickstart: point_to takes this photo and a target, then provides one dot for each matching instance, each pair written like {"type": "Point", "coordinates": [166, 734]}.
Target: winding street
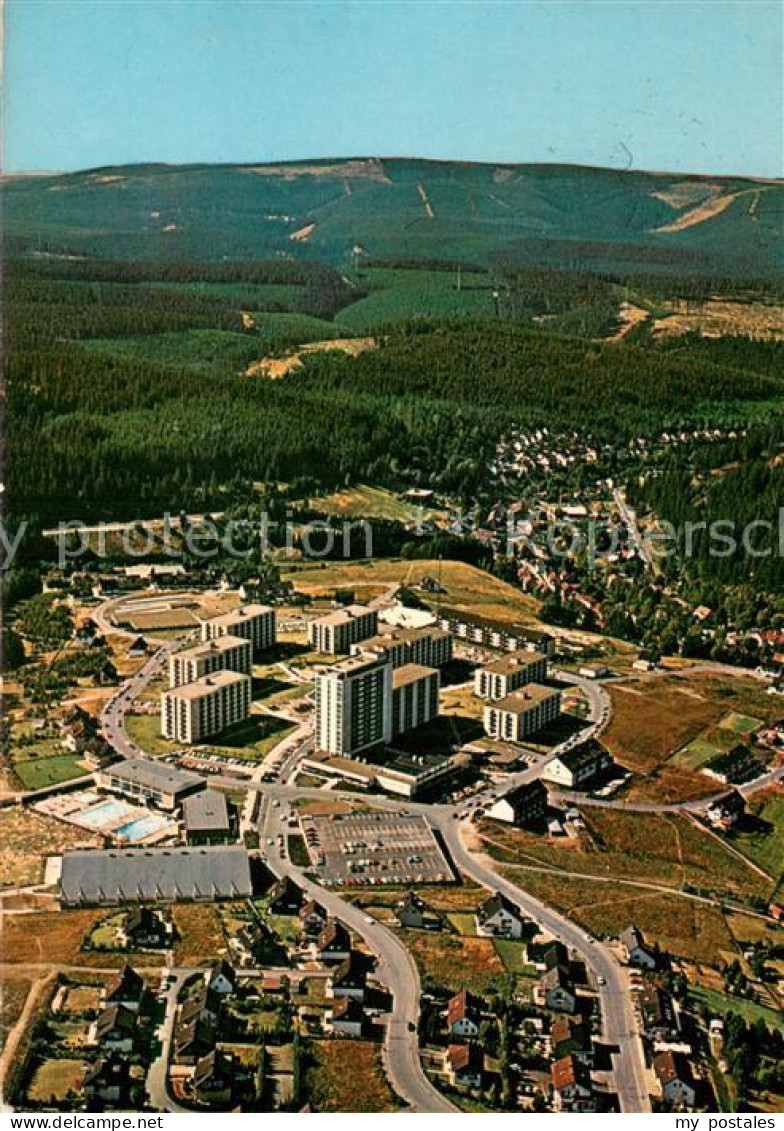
{"type": "Point", "coordinates": [619, 1026]}
{"type": "Point", "coordinates": [396, 966]}
{"type": "Point", "coordinates": [396, 969]}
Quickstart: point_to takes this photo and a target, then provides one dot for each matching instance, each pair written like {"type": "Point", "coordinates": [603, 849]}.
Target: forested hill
{"type": "Point", "coordinates": [349, 210]}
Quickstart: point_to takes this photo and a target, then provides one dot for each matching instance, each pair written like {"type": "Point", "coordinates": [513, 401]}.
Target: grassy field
{"type": "Point", "coordinates": [371, 502]}
{"type": "Point", "coordinates": [663, 728]}
{"type": "Point", "coordinates": [765, 842]}
{"type": "Point", "coordinates": [56, 937]}
{"type": "Point", "coordinates": [347, 1076]}
{"type": "Point", "coordinates": [56, 1079]}
{"type": "Point", "coordinates": [513, 956]}
{"type": "Point", "coordinates": [456, 962]}
{"type": "Point", "coordinates": [665, 849]}
{"type": "Point", "coordinates": [397, 293]}
{"type": "Point", "coordinates": [249, 741]}
{"type": "Point", "coordinates": [722, 1004]}
{"type": "Point", "coordinates": [37, 772]}
{"type": "Point", "coordinates": [13, 995]}
{"type": "Point", "coordinates": [682, 927]}
{"type": "Point", "coordinates": [25, 835]}
{"type": "Point", "coordinates": [466, 586]}
{"type": "Point", "coordinates": [200, 936]}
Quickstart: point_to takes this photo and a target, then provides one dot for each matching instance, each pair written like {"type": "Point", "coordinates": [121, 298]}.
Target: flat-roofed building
{"type": "Point", "coordinates": [430, 646]}
{"type": "Point", "coordinates": [252, 622]}
{"type": "Point", "coordinates": [225, 653]}
{"type": "Point", "coordinates": [415, 692]}
{"type": "Point", "coordinates": [493, 633]}
{"type": "Point", "coordinates": [96, 877]}
{"type": "Point", "coordinates": [412, 774]}
{"type": "Point", "coordinates": [522, 713]}
{"type": "Point", "coordinates": [205, 817]}
{"type": "Point", "coordinates": [354, 705]}
{"type": "Point", "coordinates": [149, 780]}
{"type": "Point", "coordinates": [198, 710]}
{"type": "Point", "coordinates": [337, 631]}
{"type": "Point", "coordinates": [506, 674]}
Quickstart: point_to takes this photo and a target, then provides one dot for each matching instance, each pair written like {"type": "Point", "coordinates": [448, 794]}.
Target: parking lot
{"type": "Point", "coordinates": [359, 849]}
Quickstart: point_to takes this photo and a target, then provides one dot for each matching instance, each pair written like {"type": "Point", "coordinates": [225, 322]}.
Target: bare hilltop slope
{"type": "Point", "coordinates": [403, 209]}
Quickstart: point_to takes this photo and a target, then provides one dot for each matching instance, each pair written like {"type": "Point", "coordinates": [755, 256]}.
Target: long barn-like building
{"type": "Point", "coordinates": [97, 878]}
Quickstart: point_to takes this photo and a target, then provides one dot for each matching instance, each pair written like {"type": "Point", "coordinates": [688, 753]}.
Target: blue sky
{"type": "Point", "coordinates": [692, 85]}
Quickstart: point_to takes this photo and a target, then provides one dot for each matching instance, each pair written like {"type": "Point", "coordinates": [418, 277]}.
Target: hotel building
{"type": "Point", "coordinates": [414, 697]}
{"type": "Point", "coordinates": [430, 647]}
{"type": "Point", "coordinates": [336, 632]}
{"type": "Point", "coordinates": [505, 675]}
{"type": "Point", "coordinates": [354, 705]}
{"type": "Point", "coordinates": [522, 713]}
{"type": "Point", "coordinates": [196, 711]}
{"type": "Point", "coordinates": [252, 622]}
{"type": "Point", "coordinates": [226, 653]}
{"type": "Point", "coordinates": [494, 634]}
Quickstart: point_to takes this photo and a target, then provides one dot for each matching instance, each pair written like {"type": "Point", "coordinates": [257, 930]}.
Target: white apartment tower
{"type": "Point", "coordinates": [226, 653]}
{"type": "Point", "coordinates": [336, 632]}
{"type": "Point", "coordinates": [354, 705]}
{"type": "Point", "coordinates": [195, 711]}
{"type": "Point", "coordinates": [252, 622]}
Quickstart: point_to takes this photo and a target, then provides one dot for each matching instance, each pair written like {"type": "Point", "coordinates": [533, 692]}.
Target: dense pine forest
{"type": "Point", "coordinates": [128, 391]}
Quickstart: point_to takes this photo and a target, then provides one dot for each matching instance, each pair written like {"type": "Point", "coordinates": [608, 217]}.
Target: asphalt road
{"type": "Point", "coordinates": [619, 1025]}
{"type": "Point", "coordinates": [158, 1071]}
{"type": "Point", "coordinates": [396, 969]}
{"type": "Point", "coordinates": [113, 714]}
{"type": "Point", "coordinates": [630, 522]}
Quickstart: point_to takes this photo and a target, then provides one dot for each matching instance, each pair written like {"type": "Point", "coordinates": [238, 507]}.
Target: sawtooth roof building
{"type": "Point", "coordinates": [97, 878]}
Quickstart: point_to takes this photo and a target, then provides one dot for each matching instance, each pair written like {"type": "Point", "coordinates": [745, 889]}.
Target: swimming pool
{"type": "Point", "coordinates": [142, 827]}
{"type": "Point", "coordinates": [107, 812]}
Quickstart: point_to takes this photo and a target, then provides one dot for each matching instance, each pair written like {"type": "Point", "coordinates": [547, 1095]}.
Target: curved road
{"type": "Point", "coordinates": [396, 968]}
{"type": "Point", "coordinates": [619, 1025]}
{"type": "Point", "coordinates": [396, 965]}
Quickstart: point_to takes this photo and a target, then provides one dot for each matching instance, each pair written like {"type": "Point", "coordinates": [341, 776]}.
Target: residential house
{"type": "Point", "coordinates": [347, 1017]}
{"type": "Point", "coordinates": [558, 991]}
{"type": "Point", "coordinates": [725, 811]}
{"type": "Point", "coordinates": [192, 1040]}
{"type": "Point", "coordinates": [203, 1003]}
{"type": "Point", "coordinates": [554, 955]}
{"type": "Point", "coordinates": [114, 1029]}
{"type": "Point", "coordinates": [675, 1079]}
{"type": "Point", "coordinates": [636, 951]}
{"type": "Point", "coordinates": [137, 647]}
{"type": "Point", "coordinates": [499, 916]}
{"type": "Point", "coordinates": [334, 942]}
{"type": "Point", "coordinates": [660, 1021]}
{"type": "Point", "coordinates": [250, 943]}
{"type": "Point", "coordinates": [126, 988]}
{"type": "Point", "coordinates": [349, 978]}
{"type": "Point", "coordinates": [463, 1015]}
{"type": "Point", "coordinates": [570, 1038]}
{"type": "Point", "coordinates": [286, 897]}
{"type": "Point", "coordinates": [572, 1089]}
{"type": "Point", "coordinates": [313, 917]}
{"type": "Point", "coordinates": [142, 927]}
{"type": "Point", "coordinates": [579, 767]}
{"type": "Point", "coordinates": [525, 805]}
{"type": "Point", "coordinates": [735, 767]}
{"type": "Point", "coordinates": [221, 978]}
{"type": "Point", "coordinates": [411, 911]}
{"type": "Point", "coordinates": [108, 1079]}
{"type": "Point", "coordinates": [464, 1065]}
{"type": "Point", "coordinates": [214, 1076]}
